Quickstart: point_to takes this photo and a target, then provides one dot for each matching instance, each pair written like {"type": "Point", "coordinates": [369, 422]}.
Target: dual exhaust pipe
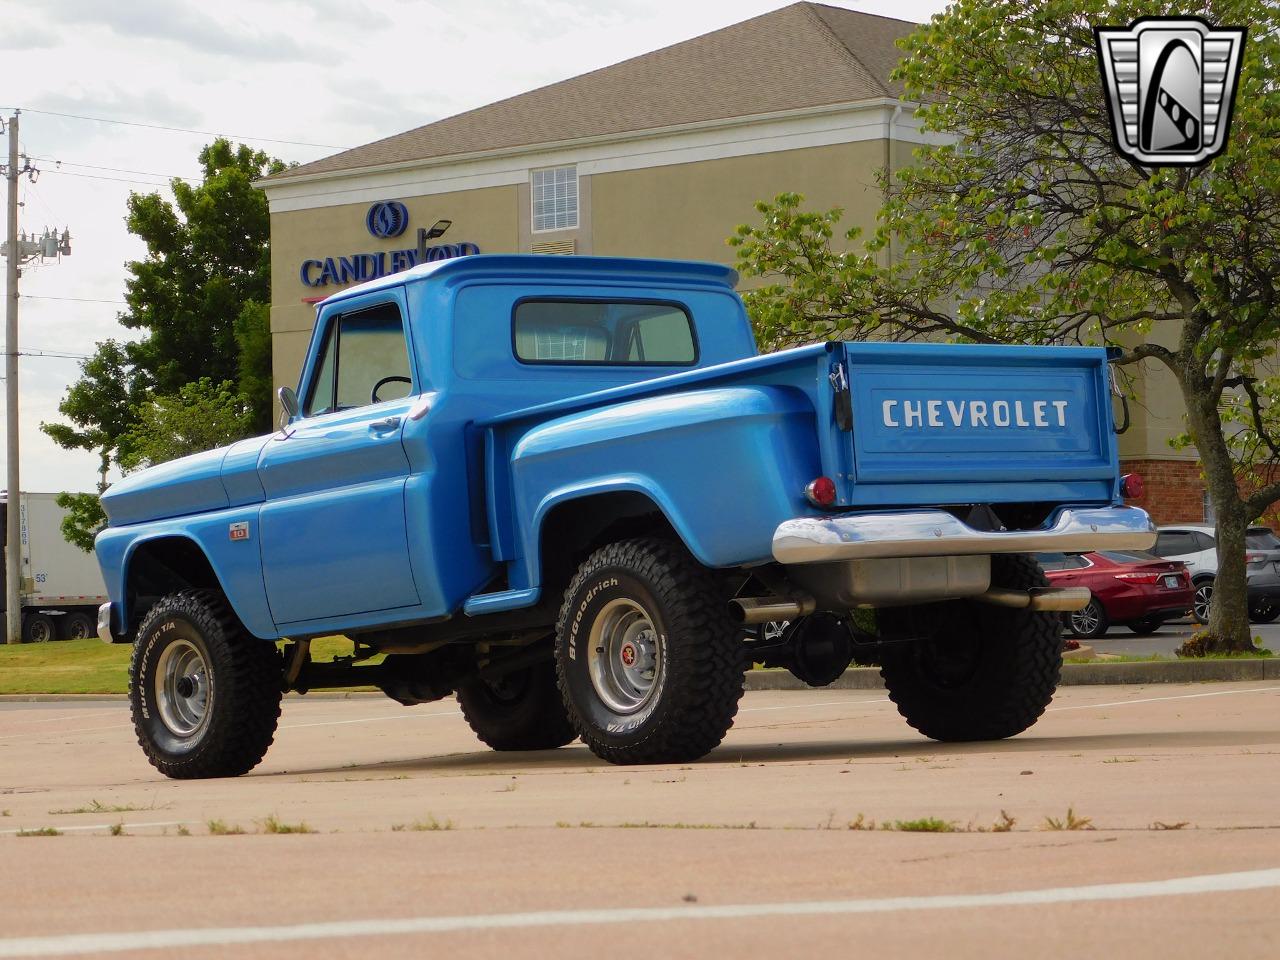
{"type": "Point", "coordinates": [751, 610]}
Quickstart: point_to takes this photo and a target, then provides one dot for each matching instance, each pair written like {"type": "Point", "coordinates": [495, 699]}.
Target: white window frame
{"type": "Point", "coordinates": [574, 197]}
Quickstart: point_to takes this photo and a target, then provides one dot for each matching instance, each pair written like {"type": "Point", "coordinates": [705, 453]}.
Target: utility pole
{"type": "Point", "coordinates": [17, 251]}
{"type": "Point", "coordinates": [13, 526]}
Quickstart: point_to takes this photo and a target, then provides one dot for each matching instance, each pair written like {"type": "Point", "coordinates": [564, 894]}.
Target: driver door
{"type": "Point", "coordinates": [332, 529]}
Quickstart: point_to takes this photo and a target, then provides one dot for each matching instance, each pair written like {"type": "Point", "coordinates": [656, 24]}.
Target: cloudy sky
{"type": "Point", "coordinates": [323, 74]}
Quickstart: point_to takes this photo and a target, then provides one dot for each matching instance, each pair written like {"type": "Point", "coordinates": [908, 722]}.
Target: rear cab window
{"type": "Point", "coordinates": [603, 332]}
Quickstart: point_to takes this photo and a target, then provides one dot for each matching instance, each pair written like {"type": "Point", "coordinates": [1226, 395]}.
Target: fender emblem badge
{"type": "Point", "coordinates": [240, 531]}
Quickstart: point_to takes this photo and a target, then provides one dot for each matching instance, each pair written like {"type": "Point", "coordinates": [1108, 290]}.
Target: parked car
{"type": "Point", "coordinates": [1196, 546]}
{"type": "Point", "coordinates": [1132, 587]}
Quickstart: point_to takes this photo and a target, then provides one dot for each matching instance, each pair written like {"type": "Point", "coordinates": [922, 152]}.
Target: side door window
{"type": "Point", "coordinates": [1176, 543]}
{"type": "Point", "coordinates": [364, 360]}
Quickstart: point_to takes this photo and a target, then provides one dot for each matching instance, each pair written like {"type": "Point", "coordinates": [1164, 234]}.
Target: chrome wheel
{"type": "Point", "coordinates": [1087, 621]}
{"type": "Point", "coordinates": [773, 631]}
{"type": "Point", "coordinates": [624, 656]}
{"type": "Point", "coordinates": [1203, 601]}
{"type": "Point", "coordinates": [182, 688]}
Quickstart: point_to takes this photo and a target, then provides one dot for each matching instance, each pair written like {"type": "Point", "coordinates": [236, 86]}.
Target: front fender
{"type": "Point", "coordinates": [724, 465]}
{"type": "Point", "coordinates": [237, 564]}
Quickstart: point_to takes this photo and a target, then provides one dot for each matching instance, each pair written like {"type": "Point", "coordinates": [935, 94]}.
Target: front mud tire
{"type": "Point", "coordinates": [204, 693]}
{"type": "Point", "coordinates": [650, 665]}
{"type": "Point", "coordinates": [983, 673]}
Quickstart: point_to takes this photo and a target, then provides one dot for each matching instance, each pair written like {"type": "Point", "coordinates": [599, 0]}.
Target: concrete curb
{"type": "Point", "coordinates": [1073, 674]}
{"type": "Point", "coordinates": [868, 678]}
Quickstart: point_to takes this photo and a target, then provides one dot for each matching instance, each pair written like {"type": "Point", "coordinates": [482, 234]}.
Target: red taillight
{"type": "Point", "coordinates": [821, 492]}
{"type": "Point", "coordinates": [1254, 557]}
{"type": "Point", "coordinates": [1131, 486]}
{"type": "Point", "coordinates": [1140, 577]}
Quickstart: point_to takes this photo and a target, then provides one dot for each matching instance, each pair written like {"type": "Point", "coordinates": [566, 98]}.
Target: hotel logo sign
{"type": "Point", "coordinates": [385, 220]}
{"type": "Point", "coordinates": [1170, 84]}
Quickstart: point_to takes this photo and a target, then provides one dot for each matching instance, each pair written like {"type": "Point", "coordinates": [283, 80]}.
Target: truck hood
{"type": "Point", "coordinates": [194, 484]}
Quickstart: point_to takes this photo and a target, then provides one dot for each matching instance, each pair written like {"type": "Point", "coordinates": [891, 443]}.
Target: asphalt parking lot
{"type": "Point", "coordinates": [1169, 637]}
{"type": "Point", "coordinates": [425, 843]}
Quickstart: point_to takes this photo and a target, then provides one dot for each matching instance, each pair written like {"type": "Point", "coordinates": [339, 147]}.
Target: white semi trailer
{"type": "Point", "coordinates": [61, 584]}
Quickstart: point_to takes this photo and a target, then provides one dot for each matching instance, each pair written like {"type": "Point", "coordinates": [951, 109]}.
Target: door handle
{"type": "Point", "coordinates": [382, 426]}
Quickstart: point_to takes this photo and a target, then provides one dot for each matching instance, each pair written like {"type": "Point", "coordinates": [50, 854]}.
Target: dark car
{"type": "Point", "coordinates": [1132, 587]}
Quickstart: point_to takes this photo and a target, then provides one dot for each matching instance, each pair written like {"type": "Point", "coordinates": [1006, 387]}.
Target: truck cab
{"type": "Point", "coordinates": [486, 456]}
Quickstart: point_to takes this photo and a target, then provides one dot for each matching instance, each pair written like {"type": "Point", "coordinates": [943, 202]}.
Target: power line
{"type": "Point", "coordinates": [203, 133]}
{"type": "Point", "coordinates": [93, 166]}
{"type": "Point", "coordinates": [93, 176]}
{"type": "Point", "coordinates": [34, 296]}
{"type": "Point", "coordinates": [54, 354]}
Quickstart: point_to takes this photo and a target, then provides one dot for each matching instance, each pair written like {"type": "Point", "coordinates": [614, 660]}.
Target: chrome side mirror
{"type": "Point", "coordinates": [288, 405]}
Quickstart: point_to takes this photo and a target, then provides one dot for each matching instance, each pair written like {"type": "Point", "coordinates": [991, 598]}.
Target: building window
{"type": "Point", "coordinates": [555, 199]}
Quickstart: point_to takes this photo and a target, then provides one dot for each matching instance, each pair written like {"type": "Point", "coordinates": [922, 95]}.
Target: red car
{"type": "Point", "coordinates": [1132, 587]}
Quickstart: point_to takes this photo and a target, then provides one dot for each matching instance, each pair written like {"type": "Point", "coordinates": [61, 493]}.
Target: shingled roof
{"type": "Point", "coordinates": [803, 55]}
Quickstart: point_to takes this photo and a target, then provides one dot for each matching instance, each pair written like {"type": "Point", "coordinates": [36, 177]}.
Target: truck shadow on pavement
{"type": "Point", "coordinates": [576, 758]}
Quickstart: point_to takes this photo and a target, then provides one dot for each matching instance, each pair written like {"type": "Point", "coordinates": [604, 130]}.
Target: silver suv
{"type": "Point", "coordinates": [1195, 545]}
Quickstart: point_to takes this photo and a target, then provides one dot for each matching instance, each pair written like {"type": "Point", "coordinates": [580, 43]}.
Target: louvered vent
{"type": "Point", "coordinates": [555, 246]}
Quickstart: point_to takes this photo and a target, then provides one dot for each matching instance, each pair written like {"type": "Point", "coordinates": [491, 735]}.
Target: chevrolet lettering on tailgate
{"type": "Point", "coordinates": [976, 413]}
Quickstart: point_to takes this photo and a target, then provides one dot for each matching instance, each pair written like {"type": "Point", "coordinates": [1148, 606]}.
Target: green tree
{"type": "Point", "coordinates": [200, 299]}
{"type": "Point", "coordinates": [1027, 226]}
{"type": "Point", "coordinates": [200, 416]}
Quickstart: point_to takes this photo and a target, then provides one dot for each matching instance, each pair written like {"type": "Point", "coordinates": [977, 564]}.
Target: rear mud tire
{"type": "Point", "coordinates": [651, 595]}
{"type": "Point", "coordinates": [521, 711]}
{"type": "Point", "coordinates": [987, 673]}
{"type": "Point", "coordinates": [204, 693]}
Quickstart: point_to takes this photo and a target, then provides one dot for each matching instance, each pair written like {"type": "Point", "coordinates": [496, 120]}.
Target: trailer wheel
{"type": "Point", "coordinates": [518, 711]}
{"type": "Point", "coordinates": [650, 664]}
{"type": "Point", "coordinates": [78, 626]}
{"type": "Point", "coordinates": [38, 628]}
{"type": "Point", "coordinates": [983, 672]}
{"type": "Point", "coordinates": [204, 693]}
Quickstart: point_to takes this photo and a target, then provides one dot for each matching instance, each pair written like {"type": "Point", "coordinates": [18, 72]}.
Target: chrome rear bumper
{"type": "Point", "coordinates": [935, 533]}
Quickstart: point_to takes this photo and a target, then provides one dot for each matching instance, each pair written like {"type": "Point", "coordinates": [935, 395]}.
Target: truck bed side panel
{"type": "Point", "coordinates": [725, 465]}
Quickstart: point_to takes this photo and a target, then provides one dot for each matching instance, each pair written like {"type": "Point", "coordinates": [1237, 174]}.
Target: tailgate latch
{"type": "Point", "coordinates": [843, 405]}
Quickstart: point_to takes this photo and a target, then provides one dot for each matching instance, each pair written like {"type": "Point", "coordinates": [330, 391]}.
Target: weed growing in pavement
{"type": "Point", "coordinates": [273, 824]}
{"type": "Point", "coordinates": [1004, 824]}
{"type": "Point", "coordinates": [1070, 822]}
{"type": "Point", "coordinates": [924, 825]}
{"type": "Point", "coordinates": [424, 826]}
{"type": "Point", "coordinates": [219, 828]}
{"type": "Point", "coordinates": [40, 832]}
{"type": "Point", "coordinates": [1161, 825]}
{"type": "Point", "coordinates": [183, 831]}
{"type": "Point", "coordinates": [1121, 760]}
{"type": "Point", "coordinates": [117, 829]}
{"type": "Point", "coordinates": [5, 813]}
{"type": "Point", "coordinates": [97, 806]}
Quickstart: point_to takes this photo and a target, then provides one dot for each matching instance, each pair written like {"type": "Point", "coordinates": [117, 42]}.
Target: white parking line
{"type": "Point", "coordinates": [101, 826]}
{"type": "Point", "coordinates": [1180, 696]}
{"type": "Point", "coordinates": [346, 929]}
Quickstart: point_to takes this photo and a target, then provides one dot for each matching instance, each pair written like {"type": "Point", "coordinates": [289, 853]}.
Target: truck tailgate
{"type": "Point", "coordinates": [967, 417]}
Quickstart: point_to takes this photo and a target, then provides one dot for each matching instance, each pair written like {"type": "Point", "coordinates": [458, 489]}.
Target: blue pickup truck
{"type": "Point", "coordinates": [569, 491]}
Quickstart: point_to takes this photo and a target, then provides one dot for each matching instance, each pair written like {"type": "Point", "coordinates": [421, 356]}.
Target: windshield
{"type": "Point", "coordinates": [1128, 556]}
{"type": "Point", "coordinates": [1261, 538]}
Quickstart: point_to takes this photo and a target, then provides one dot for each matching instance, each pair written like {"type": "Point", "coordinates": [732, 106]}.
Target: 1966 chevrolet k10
{"type": "Point", "coordinates": [565, 488]}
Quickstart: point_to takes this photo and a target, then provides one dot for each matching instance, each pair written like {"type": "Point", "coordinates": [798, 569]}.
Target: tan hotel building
{"type": "Point", "coordinates": [662, 155]}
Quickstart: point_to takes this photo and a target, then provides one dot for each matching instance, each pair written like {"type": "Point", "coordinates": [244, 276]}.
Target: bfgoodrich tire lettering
{"type": "Point", "coordinates": [204, 693]}
{"type": "Point", "coordinates": [987, 673]}
{"type": "Point", "coordinates": [650, 666]}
